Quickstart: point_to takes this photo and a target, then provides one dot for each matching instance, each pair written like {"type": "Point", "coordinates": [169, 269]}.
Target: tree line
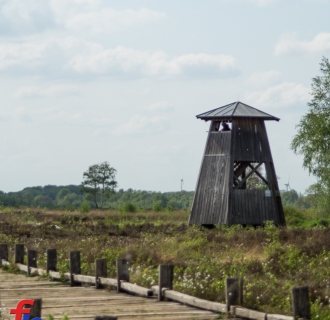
{"type": "Point", "coordinates": [73, 196]}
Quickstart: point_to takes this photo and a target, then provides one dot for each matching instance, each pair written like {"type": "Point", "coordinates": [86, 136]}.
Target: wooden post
{"type": "Point", "coordinates": [31, 260]}
{"type": "Point", "coordinates": [240, 292]}
{"type": "Point", "coordinates": [105, 318]}
{"type": "Point", "coordinates": [234, 292]}
{"type": "Point", "coordinates": [19, 253]}
{"type": "Point", "coordinates": [100, 271]}
{"type": "Point", "coordinates": [122, 272]}
{"type": "Point", "coordinates": [51, 260]}
{"type": "Point", "coordinates": [165, 279]}
{"type": "Point", "coordinates": [3, 252]}
{"type": "Point", "coordinates": [300, 303]}
{"type": "Point", "coordinates": [74, 267]}
{"type": "Point", "coordinates": [36, 309]}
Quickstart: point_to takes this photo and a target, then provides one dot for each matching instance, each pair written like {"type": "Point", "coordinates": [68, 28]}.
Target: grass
{"type": "Point", "coordinates": [271, 260]}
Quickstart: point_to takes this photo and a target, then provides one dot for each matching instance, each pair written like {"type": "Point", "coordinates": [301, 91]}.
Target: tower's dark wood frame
{"type": "Point", "coordinates": [221, 196]}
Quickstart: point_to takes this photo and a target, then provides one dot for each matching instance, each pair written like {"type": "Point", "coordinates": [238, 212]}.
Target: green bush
{"type": "Point", "coordinates": [84, 207]}
{"type": "Point", "coordinates": [293, 216]}
{"type": "Point", "coordinates": [129, 207]}
{"type": "Point", "coordinates": [169, 208]}
{"type": "Point", "coordinates": [157, 206]}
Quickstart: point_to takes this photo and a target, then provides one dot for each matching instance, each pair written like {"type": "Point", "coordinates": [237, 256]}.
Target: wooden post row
{"type": "Point", "coordinates": [234, 286]}
{"type": "Point", "coordinates": [234, 292]}
{"type": "Point", "coordinates": [165, 279]}
{"type": "Point", "coordinates": [74, 267]}
{"type": "Point", "coordinates": [100, 271]}
{"type": "Point", "coordinates": [300, 303]}
{"type": "Point", "coordinates": [3, 252]}
{"type": "Point", "coordinates": [122, 272]}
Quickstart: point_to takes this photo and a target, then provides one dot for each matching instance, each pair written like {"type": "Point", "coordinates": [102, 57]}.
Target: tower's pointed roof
{"type": "Point", "coordinates": [235, 110]}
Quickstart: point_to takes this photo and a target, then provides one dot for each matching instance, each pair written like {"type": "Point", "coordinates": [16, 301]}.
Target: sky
{"type": "Point", "coordinates": [88, 81]}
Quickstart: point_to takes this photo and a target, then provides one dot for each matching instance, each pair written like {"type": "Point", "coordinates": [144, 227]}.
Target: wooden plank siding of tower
{"type": "Point", "coordinates": [221, 197]}
{"type": "Point", "coordinates": [210, 205]}
{"type": "Point", "coordinates": [250, 143]}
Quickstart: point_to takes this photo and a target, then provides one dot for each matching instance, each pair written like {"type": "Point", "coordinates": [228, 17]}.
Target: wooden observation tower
{"type": "Point", "coordinates": [237, 181]}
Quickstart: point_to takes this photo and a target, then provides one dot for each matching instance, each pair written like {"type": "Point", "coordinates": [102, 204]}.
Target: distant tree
{"type": "Point", "coordinates": [27, 197]}
{"type": "Point", "coordinates": [157, 206]}
{"type": "Point", "coordinates": [71, 200]}
{"type": "Point", "coordinates": [160, 199]}
{"type": "Point", "coordinates": [99, 182]}
{"type": "Point", "coordinates": [289, 197]}
{"type": "Point", "coordinates": [43, 201]}
{"type": "Point", "coordinates": [313, 136]}
{"type": "Point", "coordinates": [317, 196]}
{"type": "Point", "coordinates": [2, 198]}
{"type": "Point", "coordinates": [62, 193]}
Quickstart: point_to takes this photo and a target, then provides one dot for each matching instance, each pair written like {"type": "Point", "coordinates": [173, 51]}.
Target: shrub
{"type": "Point", "coordinates": [84, 208]}
{"type": "Point", "coordinates": [293, 216]}
{"type": "Point", "coordinates": [169, 208]}
{"type": "Point", "coordinates": [129, 207]}
{"type": "Point", "coordinates": [157, 206]}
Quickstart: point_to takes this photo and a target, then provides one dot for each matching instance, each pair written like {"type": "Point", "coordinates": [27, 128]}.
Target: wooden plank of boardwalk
{"type": "Point", "coordinates": [87, 302]}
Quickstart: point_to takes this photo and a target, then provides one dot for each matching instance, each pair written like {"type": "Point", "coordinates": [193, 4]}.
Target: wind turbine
{"type": "Point", "coordinates": [288, 184]}
{"type": "Point", "coordinates": [181, 184]}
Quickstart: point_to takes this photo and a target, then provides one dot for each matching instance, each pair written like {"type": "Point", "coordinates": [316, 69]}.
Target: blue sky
{"type": "Point", "coordinates": [87, 81]}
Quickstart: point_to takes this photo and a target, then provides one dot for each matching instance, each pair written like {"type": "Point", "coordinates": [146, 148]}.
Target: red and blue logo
{"type": "Point", "coordinates": [22, 310]}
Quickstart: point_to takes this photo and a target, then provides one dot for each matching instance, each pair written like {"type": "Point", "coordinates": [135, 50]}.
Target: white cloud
{"type": "Point", "coordinates": [24, 17]}
{"type": "Point", "coordinates": [34, 16]}
{"type": "Point", "coordinates": [289, 43]}
{"type": "Point", "coordinates": [75, 118]}
{"type": "Point", "coordinates": [159, 106]}
{"type": "Point", "coordinates": [282, 95]}
{"type": "Point", "coordinates": [143, 125]}
{"type": "Point", "coordinates": [144, 63]}
{"type": "Point", "coordinates": [96, 17]}
{"type": "Point", "coordinates": [108, 20]}
{"type": "Point", "coordinates": [48, 92]}
{"type": "Point", "coordinates": [55, 116]}
{"type": "Point", "coordinates": [264, 78]}
{"type": "Point", "coordinates": [64, 56]}
{"type": "Point", "coordinates": [38, 55]}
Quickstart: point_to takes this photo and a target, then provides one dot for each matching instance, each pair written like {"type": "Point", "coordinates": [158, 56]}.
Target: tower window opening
{"type": "Point", "coordinates": [250, 176]}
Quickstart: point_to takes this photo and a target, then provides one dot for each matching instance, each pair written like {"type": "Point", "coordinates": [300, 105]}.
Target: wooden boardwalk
{"type": "Point", "coordinates": [87, 302]}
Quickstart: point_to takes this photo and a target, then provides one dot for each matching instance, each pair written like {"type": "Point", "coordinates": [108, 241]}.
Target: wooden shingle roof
{"type": "Point", "coordinates": [235, 110]}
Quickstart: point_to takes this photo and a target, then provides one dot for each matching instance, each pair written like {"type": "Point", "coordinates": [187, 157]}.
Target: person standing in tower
{"type": "Point", "coordinates": [225, 126]}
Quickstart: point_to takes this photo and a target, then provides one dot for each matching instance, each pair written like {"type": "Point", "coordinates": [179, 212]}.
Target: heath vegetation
{"type": "Point", "coordinates": [270, 260]}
